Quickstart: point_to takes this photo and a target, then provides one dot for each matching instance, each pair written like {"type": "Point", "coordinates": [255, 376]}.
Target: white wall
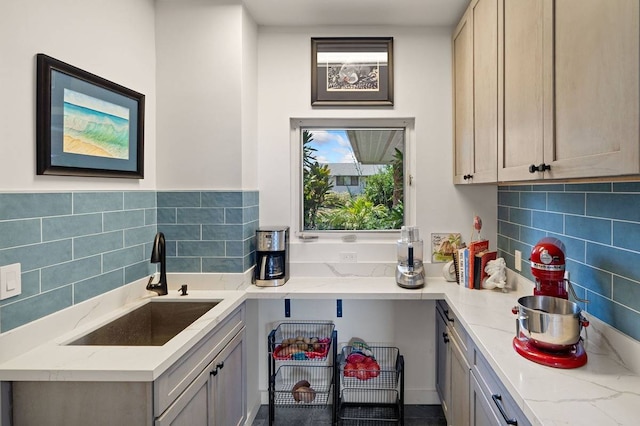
{"type": "Point", "coordinates": [249, 104]}
{"type": "Point", "coordinates": [114, 39]}
{"type": "Point", "coordinates": [422, 67]}
{"type": "Point", "coordinates": [206, 90]}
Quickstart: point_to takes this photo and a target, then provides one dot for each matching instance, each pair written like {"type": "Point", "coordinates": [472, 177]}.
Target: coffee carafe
{"type": "Point", "coordinates": [272, 256]}
{"type": "Point", "coordinates": [410, 270]}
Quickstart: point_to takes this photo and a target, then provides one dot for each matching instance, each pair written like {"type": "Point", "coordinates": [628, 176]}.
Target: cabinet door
{"type": "Point", "coordinates": [443, 365]}
{"type": "Point", "coordinates": [475, 81]}
{"type": "Point", "coordinates": [485, 90]}
{"type": "Point", "coordinates": [228, 384]}
{"type": "Point", "coordinates": [523, 89]}
{"type": "Point", "coordinates": [463, 99]}
{"type": "Point", "coordinates": [460, 370]}
{"type": "Point", "coordinates": [192, 408]}
{"type": "Point", "coordinates": [481, 412]}
{"type": "Point", "coordinates": [596, 91]}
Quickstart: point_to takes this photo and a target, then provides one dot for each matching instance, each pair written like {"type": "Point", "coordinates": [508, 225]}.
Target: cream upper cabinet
{"type": "Point", "coordinates": [570, 93]}
{"type": "Point", "coordinates": [463, 99]}
{"type": "Point", "coordinates": [475, 80]}
{"type": "Point", "coordinates": [522, 84]}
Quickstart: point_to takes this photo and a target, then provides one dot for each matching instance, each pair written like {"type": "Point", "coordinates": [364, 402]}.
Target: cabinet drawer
{"type": "Point", "coordinates": [496, 393]}
{"type": "Point", "coordinates": [455, 328]}
{"type": "Point", "coordinates": [178, 377]}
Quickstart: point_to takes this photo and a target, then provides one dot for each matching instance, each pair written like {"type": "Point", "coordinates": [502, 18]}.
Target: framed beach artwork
{"type": "Point", "coordinates": [86, 125]}
{"type": "Point", "coordinates": [352, 71]}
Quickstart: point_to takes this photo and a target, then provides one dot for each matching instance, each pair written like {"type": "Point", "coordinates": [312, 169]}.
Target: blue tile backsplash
{"type": "Point", "coordinates": [599, 224]}
{"type": "Point", "coordinates": [73, 246]}
{"type": "Point", "coordinates": [209, 231]}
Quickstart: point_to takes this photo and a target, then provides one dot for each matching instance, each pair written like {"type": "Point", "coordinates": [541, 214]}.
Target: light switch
{"type": "Point", "coordinates": [10, 281]}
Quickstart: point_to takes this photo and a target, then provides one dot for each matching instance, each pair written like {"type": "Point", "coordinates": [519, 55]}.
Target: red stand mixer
{"type": "Point", "coordinates": [549, 325]}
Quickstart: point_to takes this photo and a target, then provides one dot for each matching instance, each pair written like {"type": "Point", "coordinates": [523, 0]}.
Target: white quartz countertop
{"type": "Point", "coordinates": [606, 391]}
{"type": "Point", "coordinates": [55, 360]}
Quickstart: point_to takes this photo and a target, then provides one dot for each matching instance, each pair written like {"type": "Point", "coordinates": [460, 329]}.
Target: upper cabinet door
{"type": "Point", "coordinates": [463, 99]}
{"type": "Point", "coordinates": [485, 89]}
{"type": "Point", "coordinates": [522, 104]}
{"type": "Point", "coordinates": [475, 79]}
{"type": "Point", "coordinates": [571, 94]}
{"type": "Point", "coordinates": [595, 121]}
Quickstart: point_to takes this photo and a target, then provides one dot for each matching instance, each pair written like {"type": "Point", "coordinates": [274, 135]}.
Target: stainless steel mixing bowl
{"type": "Point", "coordinates": [549, 322]}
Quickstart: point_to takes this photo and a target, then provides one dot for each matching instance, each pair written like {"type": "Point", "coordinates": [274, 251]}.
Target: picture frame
{"type": "Point", "coordinates": [352, 71]}
{"type": "Point", "coordinates": [86, 125]}
{"type": "Point", "coordinates": [444, 245]}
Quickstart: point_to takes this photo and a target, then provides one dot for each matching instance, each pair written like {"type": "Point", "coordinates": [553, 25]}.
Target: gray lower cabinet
{"type": "Point", "coordinates": [481, 412]}
{"type": "Point", "coordinates": [206, 386]}
{"type": "Point", "coordinates": [491, 403]}
{"type": "Point", "coordinates": [452, 367]}
{"type": "Point", "coordinates": [229, 385]}
{"type": "Point", "coordinates": [459, 386]}
{"type": "Point", "coordinates": [216, 396]}
{"type": "Point", "coordinates": [470, 391]}
{"type": "Point", "coordinates": [443, 363]}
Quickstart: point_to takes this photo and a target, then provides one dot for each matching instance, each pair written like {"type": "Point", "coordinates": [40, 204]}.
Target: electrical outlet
{"type": "Point", "coordinates": [348, 257]}
{"type": "Point", "coordinates": [518, 263]}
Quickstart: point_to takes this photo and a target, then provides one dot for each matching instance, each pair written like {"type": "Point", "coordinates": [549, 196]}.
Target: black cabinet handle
{"type": "Point", "coordinates": [219, 366]}
{"type": "Point", "coordinates": [497, 399]}
{"type": "Point", "coordinates": [446, 314]}
{"type": "Point", "coordinates": [445, 337]}
{"type": "Point", "coordinates": [539, 168]}
{"type": "Point", "coordinates": [465, 177]}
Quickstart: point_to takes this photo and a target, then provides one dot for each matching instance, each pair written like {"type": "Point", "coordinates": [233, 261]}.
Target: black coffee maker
{"type": "Point", "coordinates": [272, 256]}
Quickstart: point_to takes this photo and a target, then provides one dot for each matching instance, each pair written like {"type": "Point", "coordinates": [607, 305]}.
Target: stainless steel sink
{"type": "Point", "coordinates": [152, 324]}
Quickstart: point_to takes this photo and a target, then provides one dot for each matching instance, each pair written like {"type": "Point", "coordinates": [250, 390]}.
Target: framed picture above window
{"type": "Point", "coordinates": [352, 71]}
{"type": "Point", "coordinates": [86, 125]}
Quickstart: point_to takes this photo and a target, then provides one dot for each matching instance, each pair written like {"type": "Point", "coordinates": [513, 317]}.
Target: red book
{"type": "Point", "coordinates": [481, 263]}
{"type": "Point", "coordinates": [475, 247]}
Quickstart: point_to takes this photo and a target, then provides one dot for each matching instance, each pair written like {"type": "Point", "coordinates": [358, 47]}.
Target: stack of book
{"type": "Point", "coordinates": [470, 262]}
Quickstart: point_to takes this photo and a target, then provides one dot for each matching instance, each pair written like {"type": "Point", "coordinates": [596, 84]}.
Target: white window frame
{"type": "Point", "coordinates": [296, 126]}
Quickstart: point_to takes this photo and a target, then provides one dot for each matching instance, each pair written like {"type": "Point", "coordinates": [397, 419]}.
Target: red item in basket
{"type": "Point", "coordinates": [350, 370]}
{"type": "Point", "coordinates": [356, 357]}
{"type": "Point", "coordinates": [362, 372]}
{"type": "Point", "coordinates": [368, 369]}
{"type": "Point", "coordinates": [374, 369]}
{"type": "Point", "coordinates": [289, 352]}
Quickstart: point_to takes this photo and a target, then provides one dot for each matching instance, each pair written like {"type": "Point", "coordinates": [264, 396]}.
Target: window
{"type": "Point", "coordinates": [352, 174]}
{"type": "Point", "coordinates": [347, 181]}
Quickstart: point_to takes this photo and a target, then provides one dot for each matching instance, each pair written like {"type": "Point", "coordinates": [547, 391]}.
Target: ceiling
{"type": "Point", "coordinates": [356, 12]}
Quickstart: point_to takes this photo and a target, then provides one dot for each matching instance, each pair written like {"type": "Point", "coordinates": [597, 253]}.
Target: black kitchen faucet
{"type": "Point", "coordinates": [159, 255]}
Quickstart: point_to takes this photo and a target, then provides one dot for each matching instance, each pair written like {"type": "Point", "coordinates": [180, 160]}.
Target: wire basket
{"type": "Point", "coordinates": [370, 405]}
{"type": "Point", "coordinates": [362, 396]}
{"type": "Point", "coordinates": [379, 371]}
{"type": "Point", "coordinates": [303, 385]}
{"type": "Point", "coordinates": [301, 341]}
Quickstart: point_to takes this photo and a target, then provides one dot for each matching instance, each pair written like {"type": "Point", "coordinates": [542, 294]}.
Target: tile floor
{"type": "Point", "coordinates": [414, 415]}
